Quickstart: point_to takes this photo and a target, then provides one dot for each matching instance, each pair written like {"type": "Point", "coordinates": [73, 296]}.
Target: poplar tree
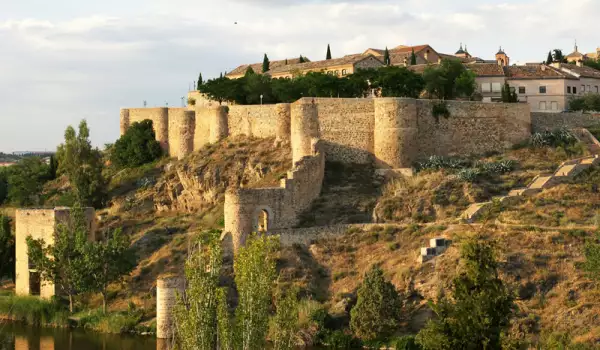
{"type": "Point", "coordinates": [255, 274]}
{"type": "Point", "coordinates": [7, 249]}
{"type": "Point", "coordinates": [266, 63]}
{"type": "Point", "coordinates": [328, 55]}
{"type": "Point", "coordinates": [386, 57]}
{"type": "Point", "coordinates": [286, 320]}
{"type": "Point", "coordinates": [83, 166]}
{"type": "Point", "coordinates": [196, 313]}
{"type": "Point", "coordinates": [413, 58]}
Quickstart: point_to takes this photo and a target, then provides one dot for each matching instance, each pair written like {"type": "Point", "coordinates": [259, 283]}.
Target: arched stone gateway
{"type": "Point", "coordinates": [261, 219]}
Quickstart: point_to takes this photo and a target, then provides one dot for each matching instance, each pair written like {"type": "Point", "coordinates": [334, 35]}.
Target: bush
{"type": "Point", "coordinates": [589, 102]}
{"type": "Point", "coordinates": [557, 138]}
{"type": "Point", "coordinates": [340, 340]}
{"type": "Point", "coordinates": [407, 342]}
{"type": "Point", "coordinates": [439, 163]}
{"type": "Point", "coordinates": [34, 311]}
{"type": "Point", "coordinates": [137, 147]}
{"type": "Point", "coordinates": [377, 310]}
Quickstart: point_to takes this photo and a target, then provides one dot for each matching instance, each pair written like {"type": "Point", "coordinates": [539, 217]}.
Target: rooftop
{"type": "Point", "coordinates": [349, 59]}
{"type": "Point", "coordinates": [257, 67]}
{"type": "Point", "coordinates": [535, 72]}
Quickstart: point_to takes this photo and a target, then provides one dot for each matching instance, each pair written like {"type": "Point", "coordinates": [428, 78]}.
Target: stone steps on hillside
{"type": "Point", "coordinates": [541, 182]}
{"type": "Point", "coordinates": [475, 210]}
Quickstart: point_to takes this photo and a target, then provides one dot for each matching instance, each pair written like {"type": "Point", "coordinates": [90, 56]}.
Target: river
{"type": "Point", "coordinates": [16, 336]}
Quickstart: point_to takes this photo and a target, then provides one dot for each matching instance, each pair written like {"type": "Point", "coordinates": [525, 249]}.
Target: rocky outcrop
{"type": "Point", "coordinates": [199, 181]}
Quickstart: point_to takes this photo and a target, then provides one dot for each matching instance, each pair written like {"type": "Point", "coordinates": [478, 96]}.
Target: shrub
{"type": "Point", "coordinates": [440, 109]}
{"type": "Point", "coordinates": [137, 147]}
{"type": "Point", "coordinates": [589, 102]}
{"type": "Point", "coordinates": [377, 310]}
{"type": "Point", "coordinates": [34, 311]}
{"type": "Point", "coordinates": [439, 163]}
{"type": "Point", "coordinates": [557, 138]}
{"type": "Point", "coordinates": [406, 342]}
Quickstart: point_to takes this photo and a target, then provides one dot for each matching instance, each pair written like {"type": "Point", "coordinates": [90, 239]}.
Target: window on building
{"type": "Point", "coordinates": [589, 89]}
{"type": "Point", "coordinates": [521, 89]}
{"type": "Point", "coordinates": [554, 105]}
{"type": "Point", "coordinates": [486, 87]}
{"type": "Point", "coordinates": [337, 73]}
{"type": "Point", "coordinates": [568, 89]}
{"type": "Point", "coordinates": [582, 88]}
{"type": "Point", "coordinates": [496, 87]}
{"type": "Point", "coordinates": [596, 87]}
{"type": "Point", "coordinates": [542, 105]}
{"type": "Point", "coordinates": [574, 89]}
{"type": "Point", "coordinates": [344, 72]}
{"type": "Point", "coordinates": [543, 90]}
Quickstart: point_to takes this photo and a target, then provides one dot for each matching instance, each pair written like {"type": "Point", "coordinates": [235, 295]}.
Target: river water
{"type": "Point", "coordinates": [16, 336]}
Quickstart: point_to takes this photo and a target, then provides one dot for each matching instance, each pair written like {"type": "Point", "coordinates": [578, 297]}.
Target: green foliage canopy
{"type": "Point", "coordinates": [137, 146]}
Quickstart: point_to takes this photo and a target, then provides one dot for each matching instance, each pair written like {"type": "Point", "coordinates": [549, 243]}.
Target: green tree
{"type": "Point", "coordinates": [3, 185]}
{"type": "Point", "coordinates": [509, 95]}
{"type": "Point", "coordinates": [479, 309]}
{"type": "Point", "coordinates": [255, 274]}
{"type": "Point", "coordinates": [465, 84]}
{"type": "Point", "coordinates": [53, 170]}
{"type": "Point", "coordinates": [26, 180]}
{"type": "Point", "coordinates": [266, 64]}
{"type": "Point", "coordinates": [83, 166]}
{"type": "Point", "coordinates": [108, 261]}
{"type": "Point", "coordinates": [549, 58]}
{"type": "Point", "coordinates": [377, 310]}
{"type": "Point", "coordinates": [413, 58]}
{"type": "Point", "coordinates": [558, 56]}
{"type": "Point", "coordinates": [200, 81]}
{"type": "Point", "coordinates": [249, 71]}
{"type": "Point", "coordinates": [398, 82]}
{"type": "Point", "coordinates": [7, 249]}
{"type": "Point", "coordinates": [286, 320]}
{"type": "Point", "coordinates": [196, 312]}
{"type": "Point", "coordinates": [592, 63]}
{"type": "Point", "coordinates": [386, 57]}
{"type": "Point", "coordinates": [301, 59]}
{"type": "Point", "coordinates": [137, 146]}
{"type": "Point", "coordinates": [64, 263]}
{"type": "Point", "coordinates": [592, 258]}
{"type": "Point", "coordinates": [328, 55]}
{"type": "Point", "coordinates": [441, 81]}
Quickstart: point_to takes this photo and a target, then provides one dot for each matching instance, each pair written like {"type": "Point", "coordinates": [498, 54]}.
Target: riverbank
{"type": "Point", "coordinates": [34, 311]}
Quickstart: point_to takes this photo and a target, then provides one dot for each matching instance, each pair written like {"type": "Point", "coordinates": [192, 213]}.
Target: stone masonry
{"type": "Point", "coordinates": [167, 290]}
{"type": "Point", "coordinates": [40, 223]}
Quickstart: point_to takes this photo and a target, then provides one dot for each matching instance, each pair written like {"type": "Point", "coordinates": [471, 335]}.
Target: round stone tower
{"type": "Point", "coordinates": [283, 112]}
{"type": "Point", "coordinates": [166, 297]}
{"type": "Point", "coordinates": [396, 132]}
{"type": "Point", "coordinates": [218, 123]}
{"type": "Point", "coordinates": [304, 127]}
{"type": "Point", "coordinates": [124, 118]}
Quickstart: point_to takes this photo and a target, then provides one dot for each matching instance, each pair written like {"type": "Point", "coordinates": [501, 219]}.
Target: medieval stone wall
{"type": "Point", "coordinates": [346, 127]}
{"type": "Point", "coordinates": [182, 124]}
{"type": "Point", "coordinates": [471, 128]}
{"type": "Point", "coordinates": [159, 117]}
{"type": "Point", "coordinates": [40, 224]}
{"type": "Point", "coordinates": [550, 121]}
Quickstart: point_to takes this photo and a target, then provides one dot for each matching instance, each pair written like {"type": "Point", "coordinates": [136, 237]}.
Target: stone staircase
{"type": "Point", "coordinates": [567, 170]}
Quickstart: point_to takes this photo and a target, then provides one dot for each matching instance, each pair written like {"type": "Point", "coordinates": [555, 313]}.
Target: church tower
{"type": "Point", "coordinates": [502, 58]}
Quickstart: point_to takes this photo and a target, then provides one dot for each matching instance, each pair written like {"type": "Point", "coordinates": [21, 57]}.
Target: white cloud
{"type": "Point", "coordinates": [72, 60]}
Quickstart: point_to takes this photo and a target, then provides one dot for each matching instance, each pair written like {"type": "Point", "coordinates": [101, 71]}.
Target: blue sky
{"type": "Point", "coordinates": [64, 60]}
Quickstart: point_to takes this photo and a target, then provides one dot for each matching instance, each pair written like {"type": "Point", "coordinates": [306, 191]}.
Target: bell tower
{"type": "Point", "coordinates": [502, 58]}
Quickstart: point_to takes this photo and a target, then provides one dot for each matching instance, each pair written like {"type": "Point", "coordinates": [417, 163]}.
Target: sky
{"type": "Point", "coordinates": [66, 60]}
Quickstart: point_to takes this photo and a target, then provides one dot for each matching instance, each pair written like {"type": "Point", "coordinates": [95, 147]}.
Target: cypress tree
{"type": "Point", "coordinates": [386, 57]}
{"type": "Point", "coordinates": [221, 75]}
{"type": "Point", "coordinates": [286, 62]}
{"type": "Point", "coordinates": [413, 58]}
{"type": "Point", "coordinates": [549, 59]}
{"type": "Point", "coordinates": [301, 59]}
{"type": "Point", "coordinates": [199, 81]}
{"type": "Point", "coordinates": [328, 56]}
{"type": "Point", "coordinates": [266, 64]}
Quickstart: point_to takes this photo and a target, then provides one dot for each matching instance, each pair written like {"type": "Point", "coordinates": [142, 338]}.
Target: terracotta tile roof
{"type": "Point", "coordinates": [535, 72]}
{"type": "Point", "coordinates": [257, 67]}
{"type": "Point", "coordinates": [349, 59]}
{"type": "Point", "coordinates": [408, 49]}
{"type": "Point", "coordinates": [462, 59]}
{"type": "Point", "coordinates": [584, 71]}
{"type": "Point", "coordinates": [486, 69]}
{"type": "Point", "coordinates": [575, 54]}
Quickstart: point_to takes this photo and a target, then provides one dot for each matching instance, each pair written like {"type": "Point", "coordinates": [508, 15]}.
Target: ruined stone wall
{"type": "Point", "coordinates": [159, 117]}
{"type": "Point", "coordinates": [346, 127]}
{"type": "Point", "coordinates": [549, 121]}
{"type": "Point", "coordinates": [40, 224]}
{"type": "Point", "coordinates": [471, 128]}
{"type": "Point", "coordinates": [166, 298]}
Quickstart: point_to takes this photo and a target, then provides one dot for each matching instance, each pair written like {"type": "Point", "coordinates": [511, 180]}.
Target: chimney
{"type": "Point", "coordinates": [580, 63]}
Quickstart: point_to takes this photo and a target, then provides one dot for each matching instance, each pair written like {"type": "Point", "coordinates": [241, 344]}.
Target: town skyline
{"type": "Point", "coordinates": [87, 61]}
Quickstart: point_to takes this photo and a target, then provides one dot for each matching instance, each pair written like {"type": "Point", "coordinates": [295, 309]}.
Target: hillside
{"type": "Point", "coordinates": [540, 239]}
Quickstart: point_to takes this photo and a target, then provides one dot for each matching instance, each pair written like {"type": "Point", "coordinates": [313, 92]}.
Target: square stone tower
{"type": "Point", "coordinates": [40, 223]}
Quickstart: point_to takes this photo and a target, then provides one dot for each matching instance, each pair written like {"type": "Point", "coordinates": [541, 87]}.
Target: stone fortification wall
{"type": "Point", "coordinates": [550, 121]}
{"type": "Point", "coordinates": [346, 126]}
{"type": "Point", "coordinates": [182, 124]}
{"type": "Point", "coordinates": [202, 127]}
{"type": "Point", "coordinates": [471, 128]}
{"type": "Point", "coordinates": [40, 224]}
{"type": "Point", "coordinates": [159, 117]}
{"type": "Point", "coordinates": [257, 121]}
{"type": "Point", "coordinates": [166, 298]}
